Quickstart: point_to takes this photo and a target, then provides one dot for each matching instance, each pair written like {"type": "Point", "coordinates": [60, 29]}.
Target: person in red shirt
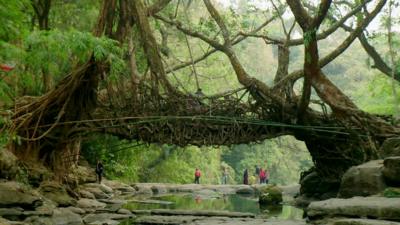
{"type": "Point", "coordinates": [262, 176]}
{"type": "Point", "coordinates": [6, 68]}
{"type": "Point", "coordinates": [197, 175]}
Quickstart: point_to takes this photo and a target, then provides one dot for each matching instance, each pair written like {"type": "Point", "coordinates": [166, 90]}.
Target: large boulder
{"type": "Point", "coordinates": [391, 170]}
{"type": "Point", "coordinates": [11, 213]}
{"type": "Point", "coordinates": [124, 188]}
{"type": "Point", "coordinates": [8, 164]}
{"type": "Point", "coordinates": [38, 173]}
{"type": "Point", "coordinates": [104, 188]}
{"type": "Point", "coordinates": [4, 221]}
{"type": "Point", "coordinates": [356, 207]}
{"type": "Point", "coordinates": [270, 195]}
{"type": "Point", "coordinates": [85, 203]}
{"type": "Point", "coordinates": [64, 216]}
{"type": "Point", "coordinates": [93, 218]}
{"type": "Point", "coordinates": [390, 147]}
{"type": "Point", "coordinates": [159, 189]}
{"type": "Point", "coordinates": [245, 190]}
{"type": "Point", "coordinates": [96, 191]}
{"type": "Point", "coordinates": [363, 180]}
{"type": "Point", "coordinates": [38, 220]}
{"type": "Point", "coordinates": [312, 185]}
{"type": "Point", "coordinates": [82, 175]}
{"type": "Point", "coordinates": [14, 194]}
{"type": "Point", "coordinates": [143, 189]}
{"type": "Point", "coordinates": [86, 194]}
{"type": "Point", "coordinates": [57, 193]}
{"type": "Point", "coordinates": [357, 221]}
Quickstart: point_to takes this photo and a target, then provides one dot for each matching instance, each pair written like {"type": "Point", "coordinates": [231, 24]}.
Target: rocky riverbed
{"type": "Point", "coordinates": [104, 204]}
{"type": "Point", "coordinates": [363, 200]}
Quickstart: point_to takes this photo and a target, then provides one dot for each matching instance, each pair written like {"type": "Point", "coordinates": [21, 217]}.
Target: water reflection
{"type": "Point", "coordinates": [234, 203]}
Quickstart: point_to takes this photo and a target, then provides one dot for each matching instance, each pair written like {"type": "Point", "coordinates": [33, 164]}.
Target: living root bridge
{"type": "Point", "coordinates": [203, 130]}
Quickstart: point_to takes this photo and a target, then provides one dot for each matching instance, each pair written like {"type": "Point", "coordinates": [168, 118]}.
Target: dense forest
{"type": "Point", "coordinates": [156, 89]}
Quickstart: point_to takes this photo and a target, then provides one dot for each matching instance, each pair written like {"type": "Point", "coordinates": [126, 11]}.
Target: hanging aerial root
{"type": "Point", "coordinates": [38, 122]}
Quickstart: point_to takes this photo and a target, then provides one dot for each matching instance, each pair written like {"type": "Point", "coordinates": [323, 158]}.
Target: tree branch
{"type": "Point", "coordinates": [150, 46]}
{"type": "Point", "coordinates": [157, 7]}
{"type": "Point", "coordinates": [300, 13]}
{"type": "Point", "coordinates": [205, 55]}
{"type": "Point", "coordinates": [292, 77]}
{"type": "Point", "coordinates": [379, 63]}
{"type": "Point", "coordinates": [324, 34]}
{"type": "Point", "coordinates": [218, 19]}
{"type": "Point", "coordinates": [322, 11]}
{"type": "Point", "coordinates": [190, 32]}
{"type": "Point", "coordinates": [359, 29]}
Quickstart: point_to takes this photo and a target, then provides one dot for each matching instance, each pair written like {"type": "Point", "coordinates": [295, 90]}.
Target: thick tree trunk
{"type": "Point", "coordinates": [42, 10]}
{"type": "Point", "coordinates": [151, 48]}
{"type": "Point", "coordinates": [47, 81]}
{"type": "Point", "coordinates": [282, 71]}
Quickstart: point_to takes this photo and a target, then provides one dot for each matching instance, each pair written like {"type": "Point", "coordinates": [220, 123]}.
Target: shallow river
{"type": "Point", "coordinates": [234, 203]}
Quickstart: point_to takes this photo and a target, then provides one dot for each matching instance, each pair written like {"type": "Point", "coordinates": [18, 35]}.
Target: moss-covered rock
{"type": "Point", "coordinates": [57, 193]}
{"type": "Point", "coordinates": [391, 170]}
{"type": "Point", "coordinates": [363, 180]}
{"type": "Point", "coordinates": [8, 165]}
{"type": "Point", "coordinates": [271, 194]}
{"type": "Point", "coordinates": [13, 194]}
{"type": "Point", "coordinates": [392, 192]}
{"type": "Point", "coordinates": [37, 173]}
{"type": "Point", "coordinates": [390, 147]}
{"type": "Point", "coordinates": [81, 175]}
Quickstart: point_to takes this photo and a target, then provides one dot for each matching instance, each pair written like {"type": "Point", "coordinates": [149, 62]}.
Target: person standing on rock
{"type": "Point", "coordinates": [225, 176]}
{"type": "Point", "coordinates": [99, 171]}
{"type": "Point", "coordinates": [197, 175]}
{"type": "Point", "coordinates": [266, 179]}
{"type": "Point", "coordinates": [262, 176]}
{"type": "Point", "coordinates": [246, 177]}
{"type": "Point", "coordinates": [257, 172]}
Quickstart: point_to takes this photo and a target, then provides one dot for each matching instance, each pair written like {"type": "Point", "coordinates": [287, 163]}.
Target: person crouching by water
{"type": "Point", "coordinates": [99, 171]}
{"type": "Point", "coordinates": [246, 177]}
{"type": "Point", "coordinates": [197, 175]}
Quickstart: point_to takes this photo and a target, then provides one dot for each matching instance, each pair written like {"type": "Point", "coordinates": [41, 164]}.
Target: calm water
{"type": "Point", "coordinates": [234, 203]}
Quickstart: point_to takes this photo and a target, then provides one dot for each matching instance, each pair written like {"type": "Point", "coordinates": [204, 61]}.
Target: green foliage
{"type": "Point", "coordinates": [378, 96]}
{"type": "Point", "coordinates": [271, 194]}
{"type": "Point", "coordinates": [78, 14]}
{"type": "Point", "coordinates": [55, 53]}
{"type": "Point", "coordinates": [391, 192]}
{"type": "Point", "coordinates": [284, 158]}
{"type": "Point", "coordinates": [153, 163]}
{"type": "Point", "coordinates": [14, 19]}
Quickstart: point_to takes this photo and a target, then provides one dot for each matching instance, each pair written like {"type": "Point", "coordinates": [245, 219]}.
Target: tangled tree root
{"type": "Point", "coordinates": [40, 122]}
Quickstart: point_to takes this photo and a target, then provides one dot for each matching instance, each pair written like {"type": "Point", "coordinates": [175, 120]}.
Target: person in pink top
{"type": "Point", "coordinates": [262, 176]}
